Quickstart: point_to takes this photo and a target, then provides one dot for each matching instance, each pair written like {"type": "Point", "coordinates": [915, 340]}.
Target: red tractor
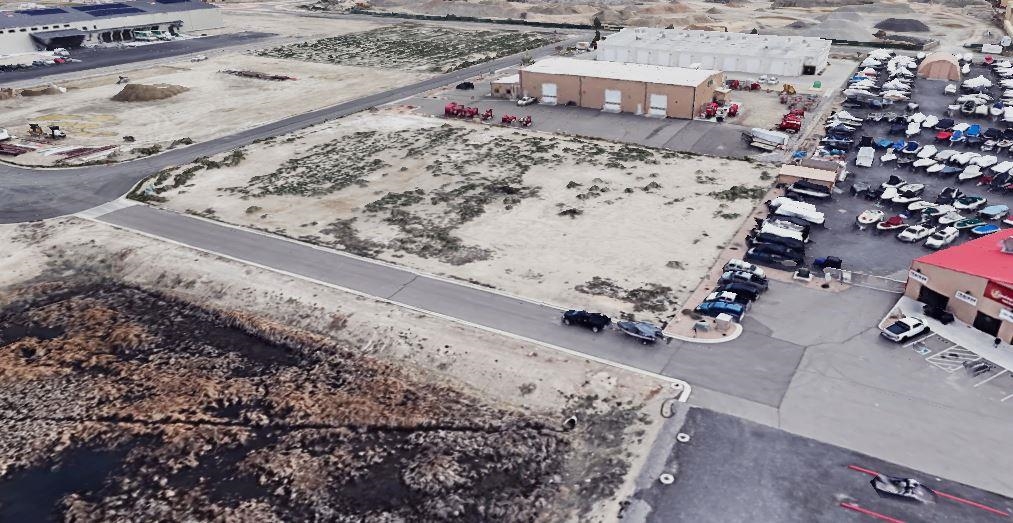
{"type": "Point", "coordinates": [508, 119]}
{"type": "Point", "coordinates": [525, 121]}
{"type": "Point", "coordinates": [711, 110]}
{"type": "Point", "coordinates": [456, 110]}
{"type": "Point", "coordinates": [733, 109]}
{"type": "Point", "coordinates": [487, 115]}
{"type": "Point", "coordinates": [791, 123]}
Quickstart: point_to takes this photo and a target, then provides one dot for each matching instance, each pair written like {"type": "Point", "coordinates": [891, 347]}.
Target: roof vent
{"type": "Point", "coordinates": [1007, 245]}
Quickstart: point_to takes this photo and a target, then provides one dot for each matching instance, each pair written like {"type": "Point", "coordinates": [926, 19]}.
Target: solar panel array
{"type": "Point", "coordinates": [115, 11]}
{"type": "Point", "coordinates": [171, 1]}
{"type": "Point", "coordinates": [41, 12]}
{"type": "Point", "coordinates": [97, 7]}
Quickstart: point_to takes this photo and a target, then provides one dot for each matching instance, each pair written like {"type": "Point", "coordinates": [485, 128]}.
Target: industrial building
{"type": "Point", "coordinates": [68, 26]}
{"type": "Point", "coordinates": [729, 52]}
{"type": "Point", "coordinates": [974, 281]}
{"type": "Point", "coordinates": [651, 90]}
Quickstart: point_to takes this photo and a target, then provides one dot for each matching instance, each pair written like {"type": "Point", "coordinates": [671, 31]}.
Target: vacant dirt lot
{"type": "Point", "coordinates": [541, 216]}
{"type": "Point", "coordinates": [154, 382]}
{"type": "Point", "coordinates": [215, 103]}
{"type": "Point", "coordinates": [413, 47]}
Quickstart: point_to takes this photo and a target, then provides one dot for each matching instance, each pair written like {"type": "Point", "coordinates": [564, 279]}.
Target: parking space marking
{"type": "Point", "coordinates": [867, 512]}
{"type": "Point", "coordinates": [1006, 398]}
{"type": "Point", "coordinates": [919, 340]}
{"type": "Point", "coordinates": [990, 378]}
{"type": "Point", "coordinates": [953, 358]}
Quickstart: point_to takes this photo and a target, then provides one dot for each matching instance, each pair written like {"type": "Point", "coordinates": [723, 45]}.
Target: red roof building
{"type": "Point", "coordinates": [974, 281]}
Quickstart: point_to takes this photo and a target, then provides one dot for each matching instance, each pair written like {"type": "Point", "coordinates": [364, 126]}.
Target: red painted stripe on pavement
{"type": "Point", "coordinates": [951, 497]}
{"type": "Point", "coordinates": [867, 512]}
{"type": "Point", "coordinates": [863, 470]}
{"type": "Point", "coordinates": [972, 503]}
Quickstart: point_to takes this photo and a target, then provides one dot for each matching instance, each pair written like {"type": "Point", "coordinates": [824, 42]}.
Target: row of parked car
{"type": "Point", "coordinates": [740, 284]}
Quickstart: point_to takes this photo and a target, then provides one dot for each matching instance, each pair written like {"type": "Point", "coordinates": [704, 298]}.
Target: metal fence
{"type": "Point", "coordinates": [871, 281]}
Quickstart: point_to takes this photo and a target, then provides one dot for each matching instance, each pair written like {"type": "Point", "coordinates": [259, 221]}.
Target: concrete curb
{"type": "Point", "coordinates": [736, 332]}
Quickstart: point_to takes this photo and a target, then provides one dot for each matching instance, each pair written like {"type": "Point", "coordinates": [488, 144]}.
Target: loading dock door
{"type": "Point", "coordinates": [931, 297]}
{"type": "Point", "coordinates": [613, 100]}
{"type": "Point", "coordinates": [659, 105]}
{"type": "Point", "coordinates": [548, 94]}
{"type": "Point", "coordinates": [987, 324]}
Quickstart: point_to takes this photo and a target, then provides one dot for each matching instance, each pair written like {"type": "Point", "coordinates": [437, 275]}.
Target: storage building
{"type": "Point", "coordinates": [791, 173]}
{"type": "Point", "coordinates": [507, 87]}
{"type": "Point", "coordinates": [68, 26]}
{"type": "Point", "coordinates": [939, 66]}
{"type": "Point", "coordinates": [974, 281]}
{"type": "Point", "coordinates": [729, 52]}
{"type": "Point", "coordinates": [652, 90]}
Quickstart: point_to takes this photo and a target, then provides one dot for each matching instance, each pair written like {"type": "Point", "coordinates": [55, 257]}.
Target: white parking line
{"type": "Point", "coordinates": [990, 378]}
{"type": "Point", "coordinates": [1007, 397]}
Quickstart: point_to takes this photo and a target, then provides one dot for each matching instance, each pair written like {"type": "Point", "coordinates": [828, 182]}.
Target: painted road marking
{"type": "Point", "coordinates": [919, 340]}
{"type": "Point", "coordinates": [1006, 398]}
{"type": "Point", "coordinates": [867, 512]}
{"type": "Point", "coordinates": [990, 378]}
{"type": "Point", "coordinates": [952, 359]}
{"type": "Point", "coordinates": [951, 497]}
{"type": "Point", "coordinates": [106, 208]}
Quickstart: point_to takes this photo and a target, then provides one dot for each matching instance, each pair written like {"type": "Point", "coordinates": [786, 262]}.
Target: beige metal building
{"type": "Point", "coordinates": [974, 281]}
{"type": "Point", "coordinates": [824, 176]}
{"type": "Point", "coordinates": [651, 90]}
{"type": "Point", "coordinates": [939, 66]}
{"type": "Point", "coordinates": [507, 87]}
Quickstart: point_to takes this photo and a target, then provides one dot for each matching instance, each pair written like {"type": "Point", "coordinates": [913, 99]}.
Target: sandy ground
{"type": "Point", "coordinates": [514, 237]}
{"type": "Point", "coordinates": [517, 374]}
{"type": "Point", "coordinates": [216, 103]}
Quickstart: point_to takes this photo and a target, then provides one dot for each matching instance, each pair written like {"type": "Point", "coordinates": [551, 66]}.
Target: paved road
{"type": "Point", "coordinates": [95, 58]}
{"type": "Point", "coordinates": [31, 194]}
{"type": "Point", "coordinates": [735, 470]}
{"type": "Point", "coordinates": [752, 369]}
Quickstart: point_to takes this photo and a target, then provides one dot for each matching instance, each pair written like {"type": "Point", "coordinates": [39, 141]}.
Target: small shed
{"type": "Point", "coordinates": [507, 87]}
{"type": "Point", "coordinates": [940, 66]}
{"type": "Point", "coordinates": [790, 174]}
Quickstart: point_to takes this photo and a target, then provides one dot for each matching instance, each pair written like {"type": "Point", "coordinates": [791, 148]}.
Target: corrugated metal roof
{"type": "Point", "coordinates": [56, 16]}
{"type": "Point", "coordinates": [679, 40]}
{"type": "Point", "coordinates": [655, 74]}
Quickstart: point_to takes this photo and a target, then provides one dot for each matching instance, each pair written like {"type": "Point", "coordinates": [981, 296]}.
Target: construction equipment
{"type": "Point", "coordinates": [456, 110]}
{"type": "Point", "coordinates": [508, 119]}
{"type": "Point", "coordinates": [791, 122]}
{"type": "Point", "coordinates": [122, 80]}
{"type": "Point", "coordinates": [35, 129]}
{"type": "Point", "coordinates": [55, 132]}
{"type": "Point", "coordinates": [525, 121]}
{"type": "Point", "coordinates": [788, 89]}
{"type": "Point", "coordinates": [487, 115]}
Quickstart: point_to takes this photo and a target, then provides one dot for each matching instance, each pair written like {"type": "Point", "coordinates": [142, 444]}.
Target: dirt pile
{"type": "Point", "coordinates": [903, 25]}
{"type": "Point", "coordinates": [43, 91]}
{"type": "Point", "coordinates": [148, 93]}
{"type": "Point", "coordinates": [125, 404]}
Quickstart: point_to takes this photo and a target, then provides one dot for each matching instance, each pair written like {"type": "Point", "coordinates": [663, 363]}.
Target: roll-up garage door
{"type": "Point", "coordinates": [548, 94]}
{"type": "Point", "coordinates": [659, 105]}
{"type": "Point", "coordinates": [613, 100]}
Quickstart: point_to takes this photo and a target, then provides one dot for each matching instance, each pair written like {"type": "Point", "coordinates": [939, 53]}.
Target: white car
{"type": "Point", "coordinates": [527, 100]}
{"type": "Point", "coordinates": [724, 296]}
{"type": "Point", "coordinates": [942, 238]}
{"type": "Point", "coordinates": [736, 264]}
{"type": "Point", "coordinates": [903, 329]}
{"type": "Point", "coordinates": [915, 233]}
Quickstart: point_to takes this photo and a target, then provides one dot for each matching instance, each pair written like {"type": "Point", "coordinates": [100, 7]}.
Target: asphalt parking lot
{"type": "Point", "coordinates": [735, 470]}
{"type": "Point", "coordinates": [882, 254]}
{"type": "Point", "coordinates": [700, 137]}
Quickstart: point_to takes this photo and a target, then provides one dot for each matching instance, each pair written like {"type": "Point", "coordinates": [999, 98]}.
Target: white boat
{"type": "Point", "coordinates": [962, 126]}
{"type": "Point", "coordinates": [985, 161]}
{"type": "Point", "coordinates": [930, 122]}
{"type": "Point", "coordinates": [934, 168]}
{"type": "Point", "coordinates": [946, 154]}
{"type": "Point", "coordinates": [1002, 167]}
{"type": "Point", "coordinates": [913, 129]}
{"type": "Point", "coordinates": [982, 110]}
{"type": "Point", "coordinates": [923, 162]}
{"type": "Point", "coordinates": [888, 157]}
{"type": "Point", "coordinates": [966, 69]}
{"type": "Point", "coordinates": [970, 173]}
{"type": "Point", "coordinates": [916, 118]}
{"type": "Point", "coordinates": [950, 89]}
{"type": "Point", "coordinates": [920, 206]}
{"type": "Point", "coordinates": [928, 151]}
{"type": "Point", "coordinates": [964, 158]}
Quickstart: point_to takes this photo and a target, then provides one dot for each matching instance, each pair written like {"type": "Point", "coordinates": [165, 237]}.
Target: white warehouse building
{"type": "Point", "coordinates": [71, 25]}
{"type": "Point", "coordinates": [730, 52]}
